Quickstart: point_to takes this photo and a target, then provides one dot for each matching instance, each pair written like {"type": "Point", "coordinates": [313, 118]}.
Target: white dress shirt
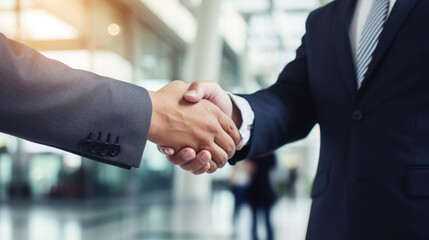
{"type": "Point", "coordinates": [247, 116]}
{"type": "Point", "coordinates": [362, 10]}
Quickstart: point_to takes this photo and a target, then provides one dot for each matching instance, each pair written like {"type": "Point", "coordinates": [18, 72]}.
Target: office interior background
{"type": "Point", "coordinates": [243, 44]}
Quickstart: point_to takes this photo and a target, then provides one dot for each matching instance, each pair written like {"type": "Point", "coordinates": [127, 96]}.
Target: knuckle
{"type": "Point", "coordinates": [223, 161]}
{"type": "Point", "coordinates": [231, 128]}
{"type": "Point", "coordinates": [195, 85]}
{"type": "Point", "coordinates": [213, 167]}
{"type": "Point", "coordinates": [230, 149]}
{"type": "Point", "coordinates": [205, 143]}
{"type": "Point", "coordinates": [203, 140]}
{"type": "Point", "coordinates": [213, 128]}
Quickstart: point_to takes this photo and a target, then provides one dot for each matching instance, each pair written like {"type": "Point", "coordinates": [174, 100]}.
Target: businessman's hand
{"type": "Point", "coordinates": [187, 157]}
{"type": "Point", "coordinates": [200, 127]}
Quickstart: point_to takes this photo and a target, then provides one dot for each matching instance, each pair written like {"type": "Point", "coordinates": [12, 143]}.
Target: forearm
{"type": "Point", "coordinates": [44, 101]}
{"type": "Point", "coordinates": [285, 112]}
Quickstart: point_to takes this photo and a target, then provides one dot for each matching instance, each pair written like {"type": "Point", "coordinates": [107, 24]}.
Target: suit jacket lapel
{"type": "Point", "coordinates": [397, 17]}
{"type": "Point", "coordinates": [342, 45]}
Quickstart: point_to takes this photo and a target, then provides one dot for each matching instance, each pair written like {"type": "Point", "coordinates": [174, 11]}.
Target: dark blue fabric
{"type": "Point", "coordinates": [370, 138]}
{"type": "Point", "coordinates": [418, 182]}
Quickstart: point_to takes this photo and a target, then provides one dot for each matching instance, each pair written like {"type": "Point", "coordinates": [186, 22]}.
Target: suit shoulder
{"type": "Point", "coordinates": [324, 11]}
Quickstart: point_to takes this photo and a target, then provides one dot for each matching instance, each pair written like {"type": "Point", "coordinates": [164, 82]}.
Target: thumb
{"type": "Point", "coordinates": [166, 150]}
{"type": "Point", "coordinates": [196, 92]}
{"type": "Point", "coordinates": [210, 91]}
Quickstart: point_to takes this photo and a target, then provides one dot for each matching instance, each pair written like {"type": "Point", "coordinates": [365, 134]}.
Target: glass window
{"type": "Point", "coordinates": [5, 173]}
{"type": "Point", "coordinates": [7, 4]}
{"type": "Point", "coordinates": [43, 173]}
{"type": "Point", "coordinates": [109, 180]}
{"type": "Point", "coordinates": [8, 23]}
{"type": "Point", "coordinates": [39, 24]}
{"type": "Point", "coordinates": [158, 60]}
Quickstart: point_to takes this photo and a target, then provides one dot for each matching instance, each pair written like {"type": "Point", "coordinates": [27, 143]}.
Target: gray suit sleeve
{"type": "Point", "coordinates": [44, 101]}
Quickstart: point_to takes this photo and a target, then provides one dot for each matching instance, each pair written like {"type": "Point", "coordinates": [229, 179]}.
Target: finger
{"type": "Point", "coordinates": [199, 162]}
{"type": "Point", "coordinates": [240, 145]}
{"type": "Point", "coordinates": [202, 170]}
{"type": "Point", "coordinates": [194, 93]}
{"type": "Point", "coordinates": [192, 166]}
{"type": "Point", "coordinates": [204, 156]}
{"type": "Point", "coordinates": [183, 156]}
{"type": "Point", "coordinates": [213, 167]}
{"type": "Point", "coordinates": [165, 150]}
{"type": "Point", "coordinates": [230, 129]}
{"type": "Point", "coordinates": [219, 156]}
{"type": "Point", "coordinates": [225, 142]}
{"type": "Point", "coordinates": [202, 90]}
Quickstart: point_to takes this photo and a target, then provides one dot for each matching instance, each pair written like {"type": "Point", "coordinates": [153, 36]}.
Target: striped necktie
{"type": "Point", "coordinates": [370, 36]}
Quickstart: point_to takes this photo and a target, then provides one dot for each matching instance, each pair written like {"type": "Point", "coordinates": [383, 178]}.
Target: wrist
{"type": "Point", "coordinates": [154, 123]}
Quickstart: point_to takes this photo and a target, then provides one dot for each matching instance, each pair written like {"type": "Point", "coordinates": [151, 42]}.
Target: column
{"type": "Point", "coordinates": [204, 64]}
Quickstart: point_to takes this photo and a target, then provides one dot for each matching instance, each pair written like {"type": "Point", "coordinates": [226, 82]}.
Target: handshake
{"type": "Point", "coordinates": [195, 125]}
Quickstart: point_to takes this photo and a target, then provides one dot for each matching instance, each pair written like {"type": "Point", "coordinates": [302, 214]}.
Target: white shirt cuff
{"type": "Point", "coordinates": [247, 116]}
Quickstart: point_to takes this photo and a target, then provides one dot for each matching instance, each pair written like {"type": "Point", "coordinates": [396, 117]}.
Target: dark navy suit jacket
{"type": "Point", "coordinates": [372, 180]}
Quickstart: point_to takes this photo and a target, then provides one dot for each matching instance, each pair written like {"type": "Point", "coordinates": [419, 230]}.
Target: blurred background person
{"type": "Point", "coordinates": [3, 144]}
{"type": "Point", "coordinates": [260, 194]}
{"type": "Point", "coordinates": [239, 182]}
{"type": "Point", "coordinates": [290, 185]}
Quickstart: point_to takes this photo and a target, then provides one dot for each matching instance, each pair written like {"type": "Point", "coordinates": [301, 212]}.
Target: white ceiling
{"type": "Point", "coordinates": [275, 28]}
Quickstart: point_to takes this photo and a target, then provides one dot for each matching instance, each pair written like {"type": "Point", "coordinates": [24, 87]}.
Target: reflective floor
{"type": "Point", "coordinates": [151, 218]}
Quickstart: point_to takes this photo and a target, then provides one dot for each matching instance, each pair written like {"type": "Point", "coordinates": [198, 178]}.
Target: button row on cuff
{"type": "Point", "coordinates": [101, 148]}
